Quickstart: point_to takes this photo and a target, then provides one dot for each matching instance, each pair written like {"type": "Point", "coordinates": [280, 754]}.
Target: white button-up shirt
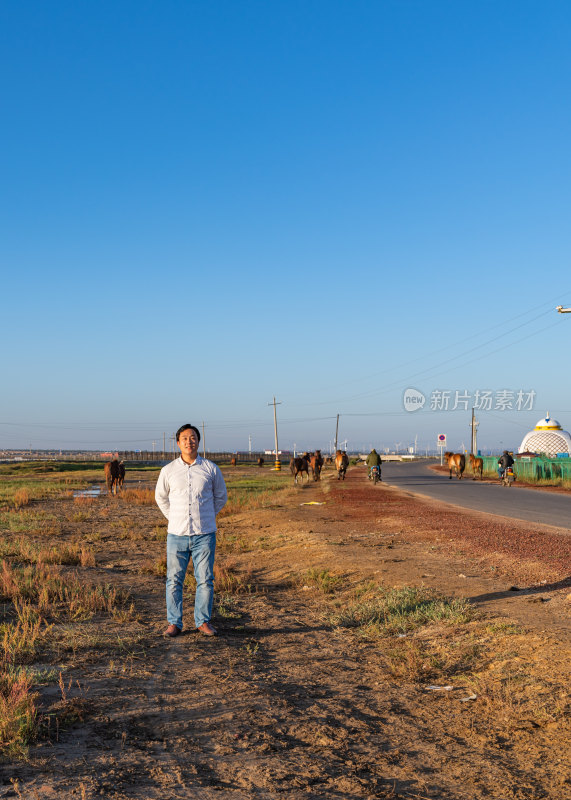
{"type": "Point", "coordinates": [190, 496]}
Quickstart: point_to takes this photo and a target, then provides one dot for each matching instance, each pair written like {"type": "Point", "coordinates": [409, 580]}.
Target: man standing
{"type": "Point", "coordinates": [190, 492]}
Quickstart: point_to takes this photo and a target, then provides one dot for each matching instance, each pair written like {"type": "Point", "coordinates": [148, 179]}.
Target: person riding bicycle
{"type": "Point", "coordinates": [374, 460]}
{"type": "Point", "coordinates": [504, 461]}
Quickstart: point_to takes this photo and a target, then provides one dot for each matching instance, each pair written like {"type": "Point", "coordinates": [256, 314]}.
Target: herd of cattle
{"type": "Point", "coordinates": [314, 462]}
{"type": "Point", "coordinates": [457, 462]}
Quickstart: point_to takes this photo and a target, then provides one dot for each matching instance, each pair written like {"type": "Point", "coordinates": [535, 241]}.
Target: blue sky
{"type": "Point", "coordinates": [205, 205]}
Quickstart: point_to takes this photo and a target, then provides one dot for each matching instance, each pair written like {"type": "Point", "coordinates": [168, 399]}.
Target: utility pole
{"type": "Point", "coordinates": [563, 310]}
{"type": "Point", "coordinates": [164, 445]}
{"type": "Point", "coordinates": [203, 441]}
{"type": "Point", "coordinates": [336, 432]}
{"type": "Point", "coordinates": [474, 426]}
{"type": "Point", "coordinates": [277, 463]}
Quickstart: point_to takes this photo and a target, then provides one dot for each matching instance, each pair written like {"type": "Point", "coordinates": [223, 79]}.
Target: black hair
{"type": "Point", "coordinates": [188, 427]}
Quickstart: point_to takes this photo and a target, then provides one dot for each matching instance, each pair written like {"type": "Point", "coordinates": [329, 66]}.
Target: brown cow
{"type": "Point", "coordinates": [341, 464]}
{"type": "Point", "coordinates": [316, 463]}
{"type": "Point", "coordinates": [298, 466]}
{"type": "Point", "coordinates": [121, 478]}
{"type": "Point", "coordinates": [477, 465]}
{"type": "Point", "coordinates": [260, 461]}
{"type": "Point", "coordinates": [456, 462]}
{"type": "Point", "coordinates": [233, 461]}
{"type": "Point", "coordinates": [112, 475]}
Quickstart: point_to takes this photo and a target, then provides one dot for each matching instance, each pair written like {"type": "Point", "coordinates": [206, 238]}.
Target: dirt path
{"type": "Point", "coordinates": [286, 704]}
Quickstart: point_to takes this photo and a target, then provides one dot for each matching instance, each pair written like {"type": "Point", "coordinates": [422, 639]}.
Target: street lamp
{"type": "Point", "coordinates": [563, 310]}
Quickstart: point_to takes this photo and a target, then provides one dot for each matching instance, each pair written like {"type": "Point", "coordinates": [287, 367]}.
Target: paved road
{"type": "Point", "coordinates": [549, 508]}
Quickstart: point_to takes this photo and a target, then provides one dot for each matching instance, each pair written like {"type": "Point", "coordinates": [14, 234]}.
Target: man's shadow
{"type": "Point", "coordinates": [513, 591]}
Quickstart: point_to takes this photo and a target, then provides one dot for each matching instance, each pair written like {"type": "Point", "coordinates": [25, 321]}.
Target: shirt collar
{"type": "Point", "coordinates": [184, 464]}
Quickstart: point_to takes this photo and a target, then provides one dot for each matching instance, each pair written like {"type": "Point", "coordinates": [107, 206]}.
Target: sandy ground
{"type": "Point", "coordinates": [284, 703]}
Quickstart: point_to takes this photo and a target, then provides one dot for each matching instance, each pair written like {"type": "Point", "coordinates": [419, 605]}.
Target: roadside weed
{"type": "Point", "coordinates": [323, 580]}
{"type": "Point", "coordinates": [400, 610]}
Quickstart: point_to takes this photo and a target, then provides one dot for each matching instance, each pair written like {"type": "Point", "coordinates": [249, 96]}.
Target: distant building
{"type": "Point", "coordinates": [547, 438]}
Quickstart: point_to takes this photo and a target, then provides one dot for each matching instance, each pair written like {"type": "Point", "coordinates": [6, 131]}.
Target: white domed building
{"type": "Point", "coordinates": [547, 438]}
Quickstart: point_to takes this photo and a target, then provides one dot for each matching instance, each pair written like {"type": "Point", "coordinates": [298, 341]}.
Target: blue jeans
{"type": "Point", "coordinates": [180, 549]}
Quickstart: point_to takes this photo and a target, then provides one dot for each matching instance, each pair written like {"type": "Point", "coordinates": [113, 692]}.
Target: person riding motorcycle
{"type": "Point", "coordinates": [504, 461]}
{"type": "Point", "coordinates": [374, 460]}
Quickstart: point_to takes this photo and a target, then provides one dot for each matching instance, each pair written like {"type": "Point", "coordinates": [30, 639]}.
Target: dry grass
{"type": "Point", "coordinates": [57, 594]}
{"type": "Point", "coordinates": [26, 550]}
{"type": "Point", "coordinates": [84, 500]}
{"type": "Point", "coordinates": [154, 566]}
{"type": "Point", "coordinates": [20, 640]}
{"type": "Point", "coordinates": [21, 498]}
{"type": "Point", "coordinates": [229, 580]}
{"type": "Point", "coordinates": [18, 713]}
{"type": "Point", "coordinates": [159, 533]}
{"type": "Point", "coordinates": [139, 497]}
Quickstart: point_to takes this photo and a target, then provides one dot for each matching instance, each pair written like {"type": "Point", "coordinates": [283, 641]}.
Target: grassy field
{"type": "Point", "coordinates": [319, 659]}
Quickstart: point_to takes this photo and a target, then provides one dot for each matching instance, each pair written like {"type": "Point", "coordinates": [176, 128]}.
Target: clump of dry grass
{"type": "Point", "coordinates": [432, 655]}
{"type": "Point", "coordinates": [153, 566]}
{"type": "Point", "coordinates": [84, 500]}
{"type": "Point", "coordinates": [231, 581]}
{"type": "Point", "coordinates": [69, 554]}
{"type": "Point", "coordinates": [140, 497]}
{"type": "Point", "coordinates": [21, 498]}
{"type": "Point", "coordinates": [323, 580]}
{"type": "Point", "coordinates": [20, 640]}
{"type": "Point", "coordinates": [159, 533]}
{"type": "Point", "coordinates": [18, 713]}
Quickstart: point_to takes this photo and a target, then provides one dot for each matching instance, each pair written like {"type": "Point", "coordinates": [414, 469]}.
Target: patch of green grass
{"type": "Point", "coordinates": [39, 676]}
{"type": "Point", "coordinates": [509, 628]}
{"type": "Point", "coordinates": [159, 533]}
{"type": "Point", "coordinates": [322, 580]}
{"type": "Point", "coordinates": [259, 491]}
{"type": "Point", "coordinates": [49, 467]}
{"type": "Point", "coordinates": [226, 605]}
{"type": "Point", "coordinates": [37, 488]}
{"type": "Point", "coordinates": [29, 521]}
{"type": "Point", "coordinates": [390, 611]}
